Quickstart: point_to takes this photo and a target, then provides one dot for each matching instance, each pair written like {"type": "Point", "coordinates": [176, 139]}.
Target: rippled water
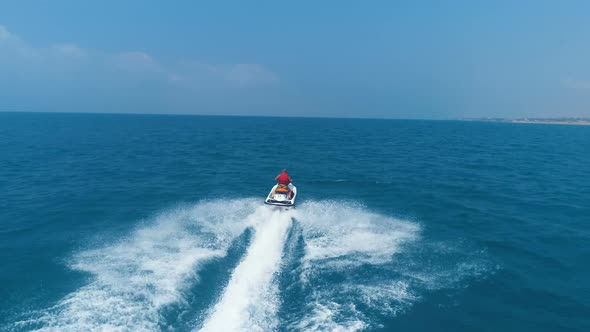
{"type": "Point", "coordinates": [149, 223]}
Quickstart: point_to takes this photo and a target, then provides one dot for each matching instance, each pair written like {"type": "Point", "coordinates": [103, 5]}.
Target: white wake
{"type": "Point", "coordinates": [351, 268]}
{"type": "Point", "coordinates": [133, 279]}
{"type": "Point", "coordinates": [250, 301]}
{"type": "Point", "coordinates": [341, 238]}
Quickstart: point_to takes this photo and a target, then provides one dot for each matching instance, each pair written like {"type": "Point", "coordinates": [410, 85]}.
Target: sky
{"type": "Point", "coordinates": [377, 59]}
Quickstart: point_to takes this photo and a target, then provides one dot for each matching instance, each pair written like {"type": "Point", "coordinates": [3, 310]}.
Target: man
{"type": "Point", "coordinates": [284, 179]}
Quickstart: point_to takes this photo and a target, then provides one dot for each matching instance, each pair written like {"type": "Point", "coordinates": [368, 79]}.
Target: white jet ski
{"type": "Point", "coordinates": [282, 196]}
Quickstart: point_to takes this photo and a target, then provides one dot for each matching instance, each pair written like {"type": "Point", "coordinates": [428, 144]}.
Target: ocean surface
{"type": "Point", "coordinates": [157, 223]}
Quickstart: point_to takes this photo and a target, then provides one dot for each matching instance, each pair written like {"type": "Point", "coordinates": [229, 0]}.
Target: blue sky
{"type": "Point", "coordinates": [392, 59]}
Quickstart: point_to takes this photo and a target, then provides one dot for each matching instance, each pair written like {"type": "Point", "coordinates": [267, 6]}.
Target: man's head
{"type": "Point", "coordinates": [284, 170]}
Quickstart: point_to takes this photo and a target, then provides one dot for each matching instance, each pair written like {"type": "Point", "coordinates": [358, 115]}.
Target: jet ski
{"type": "Point", "coordinates": [282, 196]}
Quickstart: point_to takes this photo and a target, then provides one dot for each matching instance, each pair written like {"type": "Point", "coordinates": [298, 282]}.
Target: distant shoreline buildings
{"type": "Point", "coordinates": [562, 121]}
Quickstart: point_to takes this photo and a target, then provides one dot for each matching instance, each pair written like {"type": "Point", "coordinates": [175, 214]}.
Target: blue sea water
{"type": "Point", "coordinates": [156, 223]}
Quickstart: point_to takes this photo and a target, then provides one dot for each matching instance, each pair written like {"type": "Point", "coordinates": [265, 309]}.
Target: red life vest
{"type": "Point", "coordinates": [284, 178]}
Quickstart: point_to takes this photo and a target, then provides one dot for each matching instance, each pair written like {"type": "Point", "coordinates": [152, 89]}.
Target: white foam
{"type": "Point", "coordinates": [338, 238]}
{"type": "Point", "coordinates": [251, 300]}
{"type": "Point", "coordinates": [134, 278]}
{"type": "Point", "coordinates": [323, 318]}
{"type": "Point", "coordinates": [387, 297]}
{"type": "Point", "coordinates": [340, 235]}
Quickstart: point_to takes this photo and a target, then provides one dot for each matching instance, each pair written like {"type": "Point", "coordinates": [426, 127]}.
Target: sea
{"type": "Point", "coordinates": [157, 223]}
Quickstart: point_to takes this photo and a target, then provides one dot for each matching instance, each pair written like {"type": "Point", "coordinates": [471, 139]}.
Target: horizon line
{"type": "Point", "coordinates": [234, 115]}
{"type": "Point", "coordinates": [462, 119]}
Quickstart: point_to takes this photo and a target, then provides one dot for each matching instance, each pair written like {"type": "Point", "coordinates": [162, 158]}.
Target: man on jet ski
{"type": "Point", "coordinates": [284, 192]}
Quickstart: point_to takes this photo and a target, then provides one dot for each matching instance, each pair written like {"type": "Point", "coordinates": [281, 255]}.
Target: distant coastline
{"type": "Point", "coordinates": [553, 121]}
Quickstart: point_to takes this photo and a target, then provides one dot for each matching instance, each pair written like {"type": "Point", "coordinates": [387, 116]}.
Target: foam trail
{"type": "Point", "coordinates": [359, 267]}
{"type": "Point", "coordinates": [133, 279]}
{"type": "Point", "coordinates": [341, 240]}
{"type": "Point", "coordinates": [250, 300]}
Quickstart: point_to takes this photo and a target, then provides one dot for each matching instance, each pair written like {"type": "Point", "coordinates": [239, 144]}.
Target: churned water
{"type": "Point", "coordinates": [156, 223]}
